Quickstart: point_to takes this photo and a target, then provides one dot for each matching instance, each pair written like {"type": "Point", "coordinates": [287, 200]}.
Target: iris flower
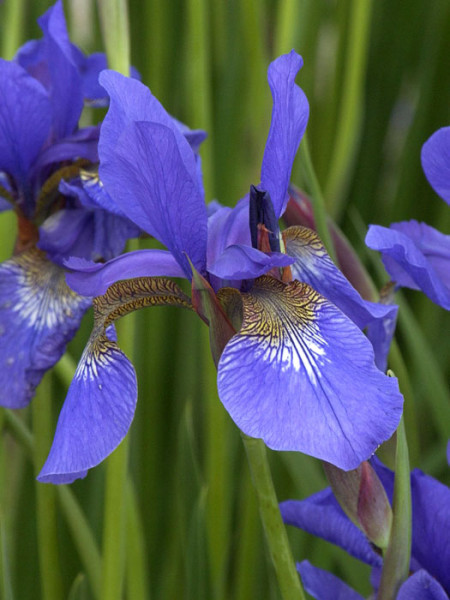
{"type": "Point", "coordinates": [322, 516]}
{"type": "Point", "coordinates": [42, 93]}
{"type": "Point", "coordinates": [414, 254]}
{"type": "Point", "coordinates": [294, 367]}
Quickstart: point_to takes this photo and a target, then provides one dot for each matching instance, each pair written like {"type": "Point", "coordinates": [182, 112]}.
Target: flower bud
{"type": "Point", "coordinates": [362, 497]}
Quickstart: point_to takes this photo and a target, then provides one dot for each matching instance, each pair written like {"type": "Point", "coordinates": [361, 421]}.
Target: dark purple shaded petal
{"type": "Point", "coordinates": [39, 314]}
{"type": "Point", "coordinates": [68, 232]}
{"type": "Point", "coordinates": [244, 262]}
{"type": "Point", "coordinates": [33, 58]}
{"type": "Point", "coordinates": [82, 144]}
{"type": "Point", "coordinates": [96, 414]}
{"type": "Point", "coordinates": [431, 526]}
{"type": "Point", "coordinates": [65, 88]}
{"type": "Point", "coordinates": [91, 234]}
{"type": "Point", "coordinates": [289, 118]}
{"type": "Point", "coordinates": [323, 585]}
{"type": "Point", "coordinates": [111, 229]}
{"type": "Point", "coordinates": [93, 279]}
{"type": "Point", "coordinates": [301, 376]}
{"type": "Point", "coordinates": [147, 178]}
{"type": "Point", "coordinates": [314, 266]}
{"type": "Point", "coordinates": [415, 262]}
{"type": "Point", "coordinates": [421, 586]}
{"type": "Point", "coordinates": [25, 120]}
{"type": "Point", "coordinates": [321, 516]}
{"type": "Point", "coordinates": [436, 162]}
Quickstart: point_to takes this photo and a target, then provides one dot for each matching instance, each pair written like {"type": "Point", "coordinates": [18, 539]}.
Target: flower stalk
{"type": "Point", "coordinates": [52, 587]}
{"type": "Point", "coordinates": [318, 203]}
{"type": "Point", "coordinates": [397, 556]}
{"type": "Point", "coordinates": [276, 536]}
{"type": "Point", "coordinates": [116, 39]}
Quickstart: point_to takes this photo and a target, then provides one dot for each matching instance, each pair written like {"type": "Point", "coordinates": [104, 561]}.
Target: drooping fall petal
{"type": "Point", "coordinates": [301, 376]}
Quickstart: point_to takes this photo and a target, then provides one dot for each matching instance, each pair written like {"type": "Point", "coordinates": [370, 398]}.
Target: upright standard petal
{"type": "Point", "coordinates": [301, 376]}
{"type": "Point", "coordinates": [147, 178]}
{"type": "Point", "coordinates": [39, 314]}
{"type": "Point", "coordinates": [130, 102]}
{"type": "Point", "coordinates": [314, 266]}
{"type": "Point", "coordinates": [436, 162]}
{"type": "Point", "coordinates": [102, 397]}
{"type": "Point", "coordinates": [289, 118]}
{"type": "Point", "coordinates": [65, 88]}
{"type": "Point", "coordinates": [25, 120]}
{"type": "Point", "coordinates": [416, 256]}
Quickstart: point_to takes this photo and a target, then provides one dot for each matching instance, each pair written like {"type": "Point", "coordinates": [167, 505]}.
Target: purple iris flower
{"type": "Point", "coordinates": [321, 515]}
{"type": "Point", "coordinates": [414, 254]}
{"type": "Point", "coordinates": [42, 93]}
{"type": "Point", "coordinates": [293, 365]}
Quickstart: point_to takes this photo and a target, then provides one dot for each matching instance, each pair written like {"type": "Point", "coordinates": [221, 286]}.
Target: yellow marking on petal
{"type": "Point", "coordinates": [91, 177]}
{"type": "Point", "coordinates": [44, 298]}
{"type": "Point", "coordinates": [122, 298]}
{"type": "Point", "coordinates": [50, 192]}
{"type": "Point", "coordinates": [304, 238]}
{"type": "Point", "coordinates": [281, 319]}
{"type": "Point", "coordinates": [129, 295]}
{"type": "Point", "coordinates": [231, 301]}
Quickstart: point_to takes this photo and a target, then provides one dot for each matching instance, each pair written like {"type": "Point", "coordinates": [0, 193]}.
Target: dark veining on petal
{"type": "Point", "coordinates": [129, 295]}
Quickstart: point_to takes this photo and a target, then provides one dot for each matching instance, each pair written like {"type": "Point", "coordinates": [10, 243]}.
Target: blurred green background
{"type": "Point", "coordinates": [377, 78]}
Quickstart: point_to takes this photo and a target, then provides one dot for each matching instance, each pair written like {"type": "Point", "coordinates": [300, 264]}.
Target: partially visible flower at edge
{"type": "Point", "coordinates": [292, 360]}
{"type": "Point", "coordinates": [47, 176]}
{"type": "Point", "coordinates": [321, 515]}
{"type": "Point", "coordinates": [415, 254]}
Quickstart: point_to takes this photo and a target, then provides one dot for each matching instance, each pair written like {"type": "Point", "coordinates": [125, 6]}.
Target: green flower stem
{"type": "Point", "coordinates": [82, 537]}
{"type": "Point", "coordinates": [65, 369]}
{"type": "Point", "coordinates": [287, 25]}
{"type": "Point", "coordinates": [397, 557]}
{"type": "Point", "coordinates": [320, 215]}
{"type": "Point", "coordinates": [199, 78]}
{"type": "Point", "coordinates": [5, 579]}
{"type": "Point", "coordinates": [75, 518]}
{"type": "Point", "coordinates": [47, 531]}
{"type": "Point", "coordinates": [116, 39]}
{"type": "Point", "coordinates": [114, 520]}
{"type": "Point", "coordinates": [137, 587]}
{"type": "Point", "coordinates": [397, 363]}
{"type": "Point", "coordinates": [280, 551]}
{"type": "Point", "coordinates": [13, 31]}
{"type": "Point", "coordinates": [219, 474]}
{"type": "Point", "coordinates": [350, 112]}
{"type": "Point", "coordinates": [115, 32]}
